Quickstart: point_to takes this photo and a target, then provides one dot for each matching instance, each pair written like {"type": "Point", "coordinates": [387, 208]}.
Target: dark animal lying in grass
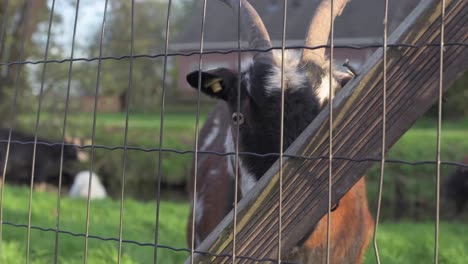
{"type": "Point", "coordinates": [47, 164]}
{"type": "Point", "coordinates": [456, 187]}
{"type": "Point", "coordinates": [306, 83]}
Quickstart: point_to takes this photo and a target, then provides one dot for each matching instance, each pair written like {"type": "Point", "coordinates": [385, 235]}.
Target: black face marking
{"type": "Point", "coordinates": [261, 132]}
{"type": "Point", "coordinates": [260, 107]}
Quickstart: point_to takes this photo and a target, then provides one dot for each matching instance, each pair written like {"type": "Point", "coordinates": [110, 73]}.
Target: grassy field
{"type": "Point", "coordinates": [417, 144]}
{"type": "Point", "coordinates": [139, 225]}
{"type": "Point", "coordinates": [398, 242]}
{"type": "Point", "coordinates": [414, 243]}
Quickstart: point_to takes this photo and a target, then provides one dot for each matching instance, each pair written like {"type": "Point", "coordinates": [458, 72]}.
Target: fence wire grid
{"type": "Point", "coordinates": [57, 229]}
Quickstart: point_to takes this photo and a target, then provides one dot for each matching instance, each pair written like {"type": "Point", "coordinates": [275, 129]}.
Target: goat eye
{"type": "Point", "coordinates": [238, 118]}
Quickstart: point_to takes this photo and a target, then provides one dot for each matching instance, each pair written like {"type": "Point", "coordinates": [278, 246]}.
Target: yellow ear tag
{"type": "Point", "coordinates": [215, 85]}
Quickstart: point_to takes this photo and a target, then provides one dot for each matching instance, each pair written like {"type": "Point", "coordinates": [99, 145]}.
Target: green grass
{"type": "Point", "coordinates": [419, 144]}
{"type": "Point", "coordinates": [139, 225]}
{"type": "Point", "coordinates": [414, 243]}
{"type": "Point", "coordinates": [110, 127]}
{"type": "Point", "coordinates": [398, 242]}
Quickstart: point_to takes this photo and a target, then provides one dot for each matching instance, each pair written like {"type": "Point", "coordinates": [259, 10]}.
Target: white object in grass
{"type": "Point", "coordinates": [80, 186]}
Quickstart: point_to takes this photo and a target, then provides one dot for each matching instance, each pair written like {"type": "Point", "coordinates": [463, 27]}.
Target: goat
{"type": "Point", "coordinates": [306, 90]}
{"type": "Point", "coordinates": [47, 164]}
{"type": "Point", "coordinates": [456, 187]}
{"type": "Point", "coordinates": [80, 186]}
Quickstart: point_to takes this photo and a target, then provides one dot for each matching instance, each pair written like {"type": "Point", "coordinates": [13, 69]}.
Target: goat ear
{"type": "Point", "coordinates": [215, 83]}
{"type": "Point", "coordinates": [342, 77]}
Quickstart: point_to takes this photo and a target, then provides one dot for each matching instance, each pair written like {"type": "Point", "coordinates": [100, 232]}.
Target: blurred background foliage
{"type": "Point", "coordinates": [145, 95]}
{"type": "Point", "coordinates": [409, 190]}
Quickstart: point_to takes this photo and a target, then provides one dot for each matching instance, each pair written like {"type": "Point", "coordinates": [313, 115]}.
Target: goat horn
{"type": "Point", "coordinates": [319, 30]}
{"type": "Point", "coordinates": [257, 32]}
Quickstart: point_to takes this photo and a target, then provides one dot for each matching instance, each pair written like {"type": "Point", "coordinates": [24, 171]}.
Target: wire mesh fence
{"type": "Point", "coordinates": [197, 152]}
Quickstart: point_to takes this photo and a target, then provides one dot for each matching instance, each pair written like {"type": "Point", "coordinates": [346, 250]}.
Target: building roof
{"type": "Point", "coordinates": [360, 23]}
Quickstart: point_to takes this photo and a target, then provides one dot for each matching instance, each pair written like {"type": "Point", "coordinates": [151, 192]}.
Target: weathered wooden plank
{"type": "Point", "coordinates": [412, 87]}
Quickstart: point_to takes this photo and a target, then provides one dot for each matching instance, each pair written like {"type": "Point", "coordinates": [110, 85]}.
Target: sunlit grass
{"type": "Point", "coordinates": [139, 225]}
{"type": "Point", "coordinates": [398, 242]}
{"type": "Point", "coordinates": [414, 243]}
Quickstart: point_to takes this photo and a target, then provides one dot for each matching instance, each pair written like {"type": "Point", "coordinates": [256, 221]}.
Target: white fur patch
{"type": "Point", "coordinates": [293, 79]}
{"type": "Point", "coordinates": [80, 186]}
{"type": "Point", "coordinates": [247, 179]}
{"type": "Point", "coordinates": [212, 135]}
{"type": "Point", "coordinates": [245, 66]}
{"type": "Point", "coordinates": [199, 209]}
{"type": "Point", "coordinates": [323, 91]}
{"type": "Point", "coordinates": [229, 148]}
{"type": "Point", "coordinates": [197, 239]}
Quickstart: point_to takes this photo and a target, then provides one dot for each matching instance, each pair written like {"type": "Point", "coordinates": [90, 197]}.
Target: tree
{"type": "Point", "coordinates": [20, 20]}
{"type": "Point", "coordinates": [149, 39]}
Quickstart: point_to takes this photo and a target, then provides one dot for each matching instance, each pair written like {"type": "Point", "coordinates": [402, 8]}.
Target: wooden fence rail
{"type": "Point", "coordinates": [412, 87]}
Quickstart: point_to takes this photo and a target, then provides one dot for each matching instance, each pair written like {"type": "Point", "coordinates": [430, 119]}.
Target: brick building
{"type": "Point", "coordinates": [360, 24]}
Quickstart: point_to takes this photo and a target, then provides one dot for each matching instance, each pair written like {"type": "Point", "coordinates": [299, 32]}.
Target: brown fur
{"type": "Point", "coordinates": [350, 232]}
{"type": "Point", "coordinates": [214, 189]}
{"type": "Point", "coordinates": [216, 200]}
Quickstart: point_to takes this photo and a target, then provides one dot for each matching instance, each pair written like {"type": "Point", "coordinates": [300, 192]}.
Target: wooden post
{"type": "Point", "coordinates": [412, 87]}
